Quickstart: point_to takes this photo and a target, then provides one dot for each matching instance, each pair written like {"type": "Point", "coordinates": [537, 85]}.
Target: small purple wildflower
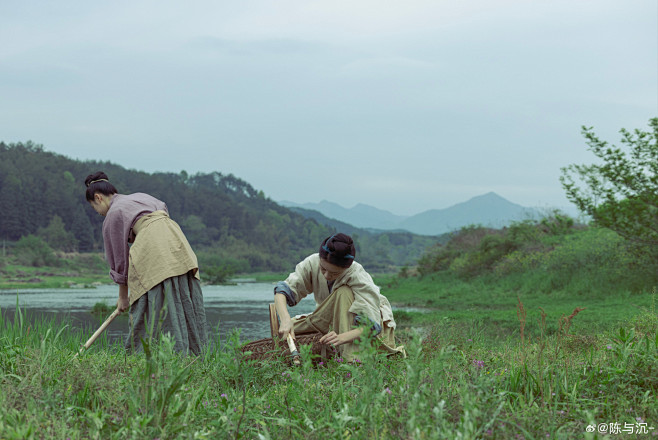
{"type": "Point", "coordinates": [388, 390]}
{"type": "Point", "coordinates": [609, 347]}
{"type": "Point", "coordinates": [223, 396]}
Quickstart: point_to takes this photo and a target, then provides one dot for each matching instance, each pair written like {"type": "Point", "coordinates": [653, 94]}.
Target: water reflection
{"type": "Point", "coordinates": [243, 306]}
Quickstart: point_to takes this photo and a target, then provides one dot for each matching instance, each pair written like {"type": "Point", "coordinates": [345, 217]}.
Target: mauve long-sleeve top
{"type": "Point", "coordinates": [122, 215]}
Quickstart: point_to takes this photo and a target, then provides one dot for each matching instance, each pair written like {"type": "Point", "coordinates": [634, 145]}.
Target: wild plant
{"type": "Point", "coordinates": [155, 393]}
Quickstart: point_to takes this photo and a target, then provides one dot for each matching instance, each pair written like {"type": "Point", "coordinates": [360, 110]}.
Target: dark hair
{"type": "Point", "coordinates": [98, 183]}
{"type": "Point", "coordinates": [338, 250]}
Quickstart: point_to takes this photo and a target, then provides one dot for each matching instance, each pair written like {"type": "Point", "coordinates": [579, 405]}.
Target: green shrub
{"type": "Point", "coordinates": [101, 309]}
{"type": "Point", "coordinates": [519, 261]}
{"type": "Point", "coordinates": [476, 250]}
{"type": "Point", "coordinates": [94, 263]}
{"type": "Point", "coordinates": [33, 251]}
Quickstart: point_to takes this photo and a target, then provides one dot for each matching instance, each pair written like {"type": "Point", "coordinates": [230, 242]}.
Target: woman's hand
{"type": "Point", "coordinates": [286, 327]}
{"type": "Point", "coordinates": [123, 303]}
{"type": "Point", "coordinates": [335, 339]}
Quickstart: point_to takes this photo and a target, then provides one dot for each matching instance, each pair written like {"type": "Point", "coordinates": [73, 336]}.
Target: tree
{"type": "Point", "coordinates": [12, 208]}
{"type": "Point", "coordinates": [82, 229]}
{"type": "Point", "coordinates": [621, 193]}
{"type": "Point", "coordinates": [57, 237]}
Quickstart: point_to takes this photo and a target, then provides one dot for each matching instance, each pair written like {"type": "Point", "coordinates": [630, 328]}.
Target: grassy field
{"type": "Point", "coordinates": [543, 330]}
{"type": "Point", "coordinates": [480, 365]}
{"type": "Point", "coordinates": [493, 303]}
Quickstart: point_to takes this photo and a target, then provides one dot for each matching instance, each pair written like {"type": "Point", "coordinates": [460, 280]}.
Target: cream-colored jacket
{"type": "Point", "coordinates": [307, 278]}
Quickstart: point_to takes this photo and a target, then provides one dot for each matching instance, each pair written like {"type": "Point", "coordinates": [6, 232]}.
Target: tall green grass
{"type": "Point", "coordinates": [460, 379]}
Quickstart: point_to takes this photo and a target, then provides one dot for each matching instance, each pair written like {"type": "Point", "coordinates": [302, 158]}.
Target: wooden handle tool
{"type": "Point", "coordinates": [98, 332]}
{"type": "Point", "coordinates": [296, 358]}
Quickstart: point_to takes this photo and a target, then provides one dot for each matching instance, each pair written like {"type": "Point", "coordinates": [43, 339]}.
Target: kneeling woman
{"type": "Point", "coordinates": [158, 275]}
{"type": "Point", "coordinates": [347, 299]}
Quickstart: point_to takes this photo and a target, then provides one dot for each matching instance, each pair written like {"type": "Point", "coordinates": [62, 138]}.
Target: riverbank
{"type": "Point", "coordinates": [84, 275]}
{"type": "Point", "coordinates": [27, 277]}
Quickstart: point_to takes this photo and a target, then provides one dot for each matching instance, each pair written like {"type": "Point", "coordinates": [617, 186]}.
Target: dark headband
{"type": "Point", "coordinates": [335, 257]}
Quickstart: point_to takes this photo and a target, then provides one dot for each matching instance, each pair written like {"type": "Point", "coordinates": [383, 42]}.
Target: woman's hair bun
{"type": "Point", "coordinates": [99, 175]}
{"type": "Point", "coordinates": [98, 183]}
{"type": "Point", "coordinates": [338, 249]}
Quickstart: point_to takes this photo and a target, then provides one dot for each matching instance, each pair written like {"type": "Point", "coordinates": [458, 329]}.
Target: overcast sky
{"type": "Point", "coordinates": [403, 105]}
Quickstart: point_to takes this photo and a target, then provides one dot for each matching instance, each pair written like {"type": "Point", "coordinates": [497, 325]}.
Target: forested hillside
{"type": "Point", "coordinates": [233, 227]}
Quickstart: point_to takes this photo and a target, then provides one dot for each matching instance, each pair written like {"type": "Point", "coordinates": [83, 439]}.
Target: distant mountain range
{"type": "Point", "coordinates": [489, 210]}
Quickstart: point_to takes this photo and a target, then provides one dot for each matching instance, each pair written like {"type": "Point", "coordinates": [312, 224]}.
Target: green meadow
{"type": "Point", "coordinates": [526, 333]}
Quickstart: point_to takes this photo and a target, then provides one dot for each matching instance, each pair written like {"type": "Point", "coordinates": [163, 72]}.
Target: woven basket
{"type": "Point", "coordinates": [265, 349]}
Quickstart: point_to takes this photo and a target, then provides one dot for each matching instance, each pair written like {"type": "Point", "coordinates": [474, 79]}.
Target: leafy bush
{"type": "Point", "coordinates": [101, 309]}
{"type": "Point", "coordinates": [520, 261]}
{"type": "Point", "coordinates": [524, 245]}
{"type": "Point", "coordinates": [621, 192]}
{"type": "Point", "coordinates": [33, 251]}
{"type": "Point", "coordinates": [216, 269]}
{"type": "Point", "coordinates": [442, 257]}
{"type": "Point", "coordinates": [90, 262]}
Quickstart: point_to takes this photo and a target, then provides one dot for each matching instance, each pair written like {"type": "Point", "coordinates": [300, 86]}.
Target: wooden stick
{"type": "Point", "coordinates": [98, 332]}
{"type": "Point", "coordinates": [274, 325]}
{"type": "Point", "coordinates": [296, 360]}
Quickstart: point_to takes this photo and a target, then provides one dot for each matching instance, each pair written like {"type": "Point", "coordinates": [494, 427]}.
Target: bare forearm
{"type": "Point", "coordinates": [351, 335]}
{"type": "Point", "coordinates": [123, 303]}
{"type": "Point", "coordinates": [281, 306]}
{"type": "Point", "coordinates": [285, 326]}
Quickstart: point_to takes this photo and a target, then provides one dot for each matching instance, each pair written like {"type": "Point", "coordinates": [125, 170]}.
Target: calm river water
{"type": "Point", "coordinates": [243, 306]}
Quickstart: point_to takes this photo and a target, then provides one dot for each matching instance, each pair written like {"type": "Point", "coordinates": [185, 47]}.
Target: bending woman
{"type": "Point", "coordinates": [348, 300]}
{"type": "Point", "coordinates": [153, 264]}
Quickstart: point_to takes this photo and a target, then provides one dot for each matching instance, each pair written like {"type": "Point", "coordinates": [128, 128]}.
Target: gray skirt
{"type": "Point", "coordinates": [174, 306]}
